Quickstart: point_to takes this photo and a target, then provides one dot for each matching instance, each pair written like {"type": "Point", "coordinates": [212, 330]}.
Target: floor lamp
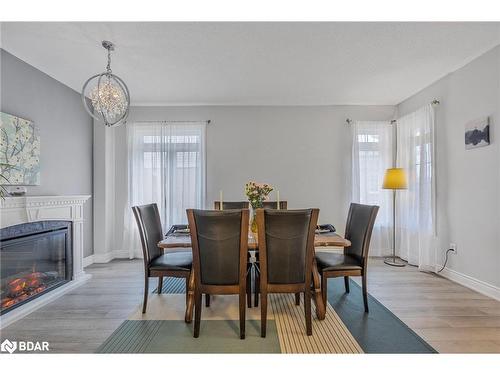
{"type": "Point", "coordinates": [394, 179]}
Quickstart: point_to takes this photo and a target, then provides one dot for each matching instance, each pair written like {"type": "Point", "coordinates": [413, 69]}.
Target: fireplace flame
{"type": "Point", "coordinates": [21, 288]}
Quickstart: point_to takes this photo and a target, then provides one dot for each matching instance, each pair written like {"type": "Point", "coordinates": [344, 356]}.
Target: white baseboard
{"type": "Point", "coordinates": [103, 258]}
{"type": "Point", "coordinates": [121, 254]}
{"type": "Point", "coordinates": [472, 283]}
{"type": "Point", "coordinates": [87, 261]}
{"type": "Point", "coordinates": [108, 257]}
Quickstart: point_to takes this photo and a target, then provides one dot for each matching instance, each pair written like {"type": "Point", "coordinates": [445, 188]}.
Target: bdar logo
{"type": "Point", "coordinates": [8, 346]}
{"type": "Point", "coordinates": [24, 346]}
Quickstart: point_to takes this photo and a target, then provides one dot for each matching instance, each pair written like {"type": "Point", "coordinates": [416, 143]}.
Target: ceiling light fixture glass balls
{"type": "Point", "coordinates": [105, 96]}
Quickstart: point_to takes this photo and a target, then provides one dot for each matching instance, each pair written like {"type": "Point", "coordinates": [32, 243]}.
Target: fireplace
{"type": "Point", "coordinates": [35, 258]}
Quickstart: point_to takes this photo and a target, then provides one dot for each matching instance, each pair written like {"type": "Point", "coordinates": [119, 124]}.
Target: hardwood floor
{"type": "Point", "coordinates": [81, 320]}
{"type": "Point", "coordinates": [450, 317]}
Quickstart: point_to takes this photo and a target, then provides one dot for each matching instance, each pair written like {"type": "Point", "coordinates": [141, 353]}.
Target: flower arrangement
{"type": "Point", "coordinates": [257, 193]}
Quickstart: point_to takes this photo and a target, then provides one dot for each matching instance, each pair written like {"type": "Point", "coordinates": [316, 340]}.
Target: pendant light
{"type": "Point", "coordinates": [105, 96]}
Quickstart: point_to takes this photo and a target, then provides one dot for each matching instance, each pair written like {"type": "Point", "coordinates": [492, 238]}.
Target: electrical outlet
{"type": "Point", "coordinates": [453, 246]}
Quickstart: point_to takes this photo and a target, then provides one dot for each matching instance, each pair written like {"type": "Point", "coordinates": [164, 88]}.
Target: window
{"type": "Point", "coordinates": [371, 156]}
{"type": "Point", "coordinates": [416, 240]}
{"type": "Point", "coordinates": [166, 167]}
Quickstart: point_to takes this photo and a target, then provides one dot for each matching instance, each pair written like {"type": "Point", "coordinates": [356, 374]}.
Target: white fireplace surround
{"type": "Point", "coordinates": [27, 209]}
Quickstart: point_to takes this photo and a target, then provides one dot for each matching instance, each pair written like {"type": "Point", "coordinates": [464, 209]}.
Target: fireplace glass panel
{"type": "Point", "coordinates": [33, 263]}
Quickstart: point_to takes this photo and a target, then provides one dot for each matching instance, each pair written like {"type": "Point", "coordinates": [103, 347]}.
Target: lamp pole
{"type": "Point", "coordinates": [394, 179]}
{"type": "Point", "coordinates": [394, 226]}
{"type": "Point", "coordinates": [392, 261]}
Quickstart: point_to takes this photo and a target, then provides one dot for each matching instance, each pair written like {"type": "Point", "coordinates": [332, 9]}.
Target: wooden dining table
{"type": "Point", "coordinates": [331, 239]}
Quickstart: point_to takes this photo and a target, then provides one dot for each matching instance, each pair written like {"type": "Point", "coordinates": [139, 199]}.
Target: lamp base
{"type": "Point", "coordinates": [395, 262]}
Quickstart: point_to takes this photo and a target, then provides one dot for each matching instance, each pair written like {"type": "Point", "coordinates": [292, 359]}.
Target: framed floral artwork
{"type": "Point", "coordinates": [19, 151]}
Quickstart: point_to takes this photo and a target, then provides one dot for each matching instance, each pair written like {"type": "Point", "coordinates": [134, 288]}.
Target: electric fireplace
{"type": "Point", "coordinates": [34, 259]}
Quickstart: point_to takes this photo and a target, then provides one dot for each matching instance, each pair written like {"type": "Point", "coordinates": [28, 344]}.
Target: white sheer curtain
{"type": "Point", "coordinates": [166, 166]}
{"type": "Point", "coordinates": [372, 154]}
{"type": "Point", "coordinates": [416, 235]}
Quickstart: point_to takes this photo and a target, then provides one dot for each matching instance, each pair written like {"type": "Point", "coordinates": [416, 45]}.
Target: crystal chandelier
{"type": "Point", "coordinates": [105, 96]}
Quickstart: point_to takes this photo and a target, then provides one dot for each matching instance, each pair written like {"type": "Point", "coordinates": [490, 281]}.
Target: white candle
{"type": "Point", "coordinates": [220, 199]}
{"type": "Point", "coordinates": [277, 199]}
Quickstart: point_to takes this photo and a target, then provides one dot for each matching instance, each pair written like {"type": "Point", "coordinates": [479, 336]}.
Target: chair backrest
{"type": "Point", "coordinates": [359, 227]}
{"type": "Point", "coordinates": [150, 230]}
{"type": "Point", "coordinates": [220, 245]}
{"type": "Point", "coordinates": [286, 244]}
{"type": "Point", "coordinates": [274, 205]}
{"type": "Point", "coordinates": [231, 205]}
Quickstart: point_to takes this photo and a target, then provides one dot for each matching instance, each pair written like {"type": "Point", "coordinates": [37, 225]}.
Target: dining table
{"type": "Point", "coordinates": [179, 241]}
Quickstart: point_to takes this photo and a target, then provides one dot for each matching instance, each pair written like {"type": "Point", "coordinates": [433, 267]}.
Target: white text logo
{"type": "Point", "coordinates": [8, 346]}
{"type": "Point", "coordinates": [24, 346]}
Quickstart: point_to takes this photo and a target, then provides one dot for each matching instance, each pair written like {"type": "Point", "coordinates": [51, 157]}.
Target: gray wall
{"type": "Point", "coordinates": [305, 152]}
{"type": "Point", "coordinates": [468, 182]}
{"type": "Point", "coordinates": [65, 131]}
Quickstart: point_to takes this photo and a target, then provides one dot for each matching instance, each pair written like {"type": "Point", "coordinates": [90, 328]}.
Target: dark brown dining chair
{"type": "Point", "coordinates": [237, 205]}
{"type": "Point", "coordinates": [220, 246]}
{"type": "Point", "coordinates": [286, 247]}
{"type": "Point", "coordinates": [354, 260]}
{"type": "Point", "coordinates": [269, 205]}
{"type": "Point", "coordinates": [274, 205]}
{"type": "Point", "coordinates": [232, 205]}
{"type": "Point", "coordinates": [157, 263]}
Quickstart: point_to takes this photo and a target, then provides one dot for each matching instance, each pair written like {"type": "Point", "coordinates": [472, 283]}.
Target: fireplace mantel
{"type": "Point", "coordinates": [27, 209]}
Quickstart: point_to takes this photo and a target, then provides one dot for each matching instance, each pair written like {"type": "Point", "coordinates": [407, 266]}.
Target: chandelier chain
{"type": "Point", "coordinates": [108, 67]}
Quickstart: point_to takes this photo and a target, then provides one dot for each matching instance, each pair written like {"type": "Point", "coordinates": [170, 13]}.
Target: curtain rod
{"type": "Point", "coordinates": [349, 121]}
{"type": "Point", "coordinates": [175, 121]}
{"type": "Point", "coordinates": [434, 102]}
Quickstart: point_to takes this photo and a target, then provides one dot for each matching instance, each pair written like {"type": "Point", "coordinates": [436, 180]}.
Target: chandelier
{"type": "Point", "coordinates": [105, 96]}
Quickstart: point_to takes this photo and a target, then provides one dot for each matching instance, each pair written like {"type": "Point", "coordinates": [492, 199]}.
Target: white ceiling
{"type": "Point", "coordinates": [255, 63]}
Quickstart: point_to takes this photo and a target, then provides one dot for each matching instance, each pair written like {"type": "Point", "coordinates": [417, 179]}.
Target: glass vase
{"type": "Point", "coordinates": [253, 216]}
{"type": "Point", "coordinates": [253, 221]}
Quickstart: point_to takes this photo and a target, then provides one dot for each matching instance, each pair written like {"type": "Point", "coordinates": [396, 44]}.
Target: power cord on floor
{"type": "Point", "coordinates": [445, 260]}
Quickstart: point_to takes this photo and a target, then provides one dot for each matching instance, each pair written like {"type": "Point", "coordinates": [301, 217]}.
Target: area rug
{"type": "Point", "coordinates": [162, 328]}
{"type": "Point", "coordinates": [346, 329]}
{"type": "Point", "coordinates": [379, 331]}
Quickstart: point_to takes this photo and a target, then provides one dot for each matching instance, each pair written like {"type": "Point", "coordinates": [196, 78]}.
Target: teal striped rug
{"type": "Point", "coordinates": [171, 336]}
{"type": "Point", "coordinates": [379, 331]}
{"type": "Point", "coordinates": [162, 329]}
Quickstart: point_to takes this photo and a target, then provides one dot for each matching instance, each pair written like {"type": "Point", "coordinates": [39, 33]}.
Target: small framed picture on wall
{"type": "Point", "coordinates": [477, 133]}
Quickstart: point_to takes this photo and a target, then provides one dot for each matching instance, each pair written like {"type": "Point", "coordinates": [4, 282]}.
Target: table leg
{"type": "Point", "coordinates": [316, 292]}
{"type": "Point", "coordinates": [188, 317]}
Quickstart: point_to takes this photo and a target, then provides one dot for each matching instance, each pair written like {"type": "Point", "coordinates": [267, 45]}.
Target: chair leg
{"type": "Point", "coordinates": [249, 286]}
{"type": "Point", "coordinates": [187, 288]}
{"type": "Point", "coordinates": [365, 294]}
{"type": "Point", "coordinates": [307, 310]}
{"type": "Point", "coordinates": [146, 292]}
{"type": "Point", "coordinates": [324, 291]}
{"type": "Point", "coordinates": [256, 287]}
{"type": "Point", "coordinates": [242, 315]}
{"type": "Point", "coordinates": [207, 300]}
{"type": "Point", "coordinates": [160, 284]}
{"type": "Point", "coordinates": [263, 314]}
{"type": "Point", "coordinates": [297, 299]}
{"type": "Point", "coordinates": [346, 283]}
{"type": "Point", "coordinates": [197, 313]}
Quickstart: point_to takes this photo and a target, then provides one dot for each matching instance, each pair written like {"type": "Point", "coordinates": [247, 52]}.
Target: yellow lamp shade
{"type": "Point", "coordinates": [395, 178]}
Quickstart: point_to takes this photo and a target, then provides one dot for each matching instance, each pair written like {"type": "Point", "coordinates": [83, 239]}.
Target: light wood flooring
{"type": "Point", "coordinates": [80, 321]}
{"type": "Point", "coordinates": [448, 316]}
